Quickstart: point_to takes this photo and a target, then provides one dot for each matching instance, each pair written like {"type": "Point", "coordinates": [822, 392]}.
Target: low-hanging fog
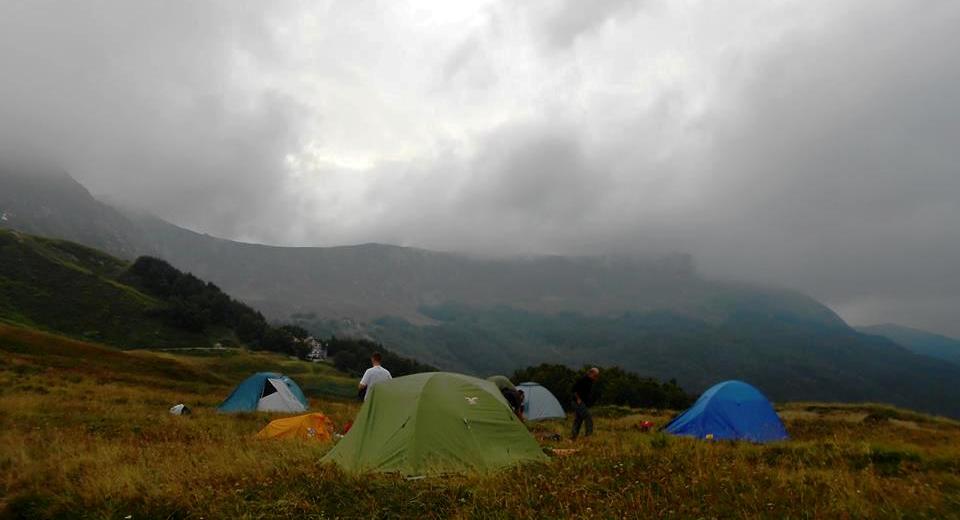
{"type": "Point", "coordinates": [807, 143]}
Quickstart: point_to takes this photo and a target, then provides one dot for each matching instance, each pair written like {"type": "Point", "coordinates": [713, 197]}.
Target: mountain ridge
{"type": "Point", "coordinates": [63, 287]}
{"type": "Point", "coordinates": [610, 283]}
{"type": "Point", "coordinates": [917, 340]}
{"type": "Point", "coordinates": [656, 316]}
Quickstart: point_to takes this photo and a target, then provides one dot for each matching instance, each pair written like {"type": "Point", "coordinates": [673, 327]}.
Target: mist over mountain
{"type": "Point", "coordinates": [918, 341]}
{"type": "Point", "coordinates": [373, 280]}
{"type": "Point", "coordinates": [47, 201]}
{"type": "Point", "coordinates": [654, 315]}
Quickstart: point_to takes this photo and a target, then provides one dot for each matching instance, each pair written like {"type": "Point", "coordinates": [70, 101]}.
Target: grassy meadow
{"type": "Point", "coordinates": [85, 433]}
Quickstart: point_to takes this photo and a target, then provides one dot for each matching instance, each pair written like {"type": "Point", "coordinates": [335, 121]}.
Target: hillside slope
{"type": "Point", "coordinates": [211, 375]}
{"type": "Point", "coordinates": [62, 286]}
{"type": "Point", "coordinates": [918, 341]}
{"type": "Point", "coordinates": [67, 288]}
{"type": "Point", "coordinates": [789, 360]}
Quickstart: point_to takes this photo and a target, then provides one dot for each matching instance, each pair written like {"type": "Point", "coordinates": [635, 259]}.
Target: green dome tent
{"type": "Point", "coordinates": [435, 423]}
{"type": "Point", "coordinates": [502, 382]}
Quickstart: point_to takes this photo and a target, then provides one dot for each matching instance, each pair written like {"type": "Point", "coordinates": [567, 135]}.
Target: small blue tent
{"type": "Point", "coordinates": [540, 403]}
{"type": "Point", "coordinates": [265, 392]}
{"type": "Point", "coordinates": [732, 410]}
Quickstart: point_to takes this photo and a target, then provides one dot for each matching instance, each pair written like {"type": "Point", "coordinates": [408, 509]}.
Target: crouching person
{"type": "Point", "coordinates": [515, 400]}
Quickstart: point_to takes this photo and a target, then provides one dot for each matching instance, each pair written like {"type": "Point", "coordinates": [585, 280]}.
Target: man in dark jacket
{"type": "Point", "coordinates": [582, 399]}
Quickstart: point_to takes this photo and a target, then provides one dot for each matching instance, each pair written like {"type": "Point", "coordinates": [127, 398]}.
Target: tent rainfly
{"type": "Point", "coordinates": [732, 410]}
{"type": "Point", "coordinates": [432, 424]}
{"type": "Point", "coordinates": [266, 392]}
{"type": "Point", "coordinates": [312, 426]}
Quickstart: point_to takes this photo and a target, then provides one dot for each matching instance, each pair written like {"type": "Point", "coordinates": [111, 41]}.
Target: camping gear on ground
{"type": "Point", "coordinates": [435, 423]}
{"type": "Point", "coordinates": [266, 392]}
{"type": "Point", "coordinates": [732, 410]}
{"type": "Point", "coordinates": [645, 426]}
{"type": "Point", "coordinates": [180, 409]}
{"type": "Point", "coordinates": [563, 452]}
{"type": "Point", "coordinates": [312, 426]}
{"type": "Point", "coordinates": [548, 437]}
{"type": "Point", "coordinates": [539, 403]}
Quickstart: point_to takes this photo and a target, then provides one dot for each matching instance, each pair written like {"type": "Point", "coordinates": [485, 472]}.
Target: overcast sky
{"type": "Point", "coordinates": [808, 143]}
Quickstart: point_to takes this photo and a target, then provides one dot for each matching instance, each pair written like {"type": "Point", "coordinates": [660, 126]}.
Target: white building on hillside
{"type": "Point", "coordinates": [318, 351]}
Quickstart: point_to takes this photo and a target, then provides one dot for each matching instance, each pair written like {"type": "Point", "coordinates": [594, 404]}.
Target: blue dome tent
{"type": "Point", "coordinates": [539, 403]}
{"type": "Point", "coordinates": [732, 410]}
{"type": "Point", "coordinates": [265, 392]}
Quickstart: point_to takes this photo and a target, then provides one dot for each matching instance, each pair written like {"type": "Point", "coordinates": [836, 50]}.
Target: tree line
{"type": "Point", "coordinates": [616, 386]}
{"type": "Point", "coordinates": [195, 305]}
{"type": "Point", "coordinates": [352, 356]}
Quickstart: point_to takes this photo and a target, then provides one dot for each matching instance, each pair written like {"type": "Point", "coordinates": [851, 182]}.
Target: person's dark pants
{"type": "Point", "coordinates": [581, 415]}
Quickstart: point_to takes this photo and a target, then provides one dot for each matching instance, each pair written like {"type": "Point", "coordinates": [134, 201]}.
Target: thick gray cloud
{"type": "Point", "coordinates": [807, 144]}
{"type": "Point", "coordinates": [840, 173]}
{"type": "Point", "coordinates": [566, 20]}
{"type": "Point", "coordinates": [136, 99]}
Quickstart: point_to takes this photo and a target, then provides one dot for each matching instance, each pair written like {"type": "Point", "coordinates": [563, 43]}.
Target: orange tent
{"type": "Point", "coordinates": [312, 426]}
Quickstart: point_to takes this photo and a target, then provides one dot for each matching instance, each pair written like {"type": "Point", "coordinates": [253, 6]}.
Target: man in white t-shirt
{"type": "Point", "coordinates": [373, 375]}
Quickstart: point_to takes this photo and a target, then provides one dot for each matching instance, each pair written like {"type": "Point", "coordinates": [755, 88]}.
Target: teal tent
{"type": "Point", "coordinates": [265, 392]}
